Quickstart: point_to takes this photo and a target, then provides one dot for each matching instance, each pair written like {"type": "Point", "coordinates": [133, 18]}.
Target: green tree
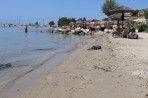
{"type": "Point", "coordinates": [146, 15]}
{"type": "Point", "coordinates": [36, 23]}
{"type": "Point", "coordinates": [141, 12]}
{"type": "Point", "coordinates": [51, 23]}
{"type": "Point", "coordinates": [108, 6]}
{"type": "Point", "coordinates": [135, 13]}
{"type": "Point", "coordinates": [63, 21]}
{"type": "Point", "coordinates": [72, 20]}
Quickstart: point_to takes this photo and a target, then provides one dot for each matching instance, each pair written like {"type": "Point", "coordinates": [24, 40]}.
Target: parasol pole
{"type": "Point", "coordinates": [122, 19]}
{"type": "Point", "coordinates": [122, 24]}
{"type": "Point", "coordinates": [118, 23]}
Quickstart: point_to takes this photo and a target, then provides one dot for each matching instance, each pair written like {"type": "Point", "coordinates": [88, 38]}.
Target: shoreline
{"type": "Point", "coordinates": [115, 71]}
{"type": "Point", "coordinates": [27, 55]}
{"type": "Point", "coordinates": [28, 78]}
{"type": "Point", "coordinates": [8, 90]}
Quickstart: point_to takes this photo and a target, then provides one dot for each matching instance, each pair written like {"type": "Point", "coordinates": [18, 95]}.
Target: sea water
{"type": "Point", "coordinates": [27, 50]}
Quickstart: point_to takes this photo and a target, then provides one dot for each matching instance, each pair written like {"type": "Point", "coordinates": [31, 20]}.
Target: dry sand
{"type": "Point", "coordinates": [118, 70]}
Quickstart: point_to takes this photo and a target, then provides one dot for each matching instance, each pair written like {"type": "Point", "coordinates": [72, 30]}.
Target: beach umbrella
{"type": "Point", "coordinates": [122, 10]}
{"type": "Point", "coordinates": [115, 16]}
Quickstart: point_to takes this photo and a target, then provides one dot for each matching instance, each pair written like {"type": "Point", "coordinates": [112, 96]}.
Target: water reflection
{"type": "Point", "coordinates": [26, 34]}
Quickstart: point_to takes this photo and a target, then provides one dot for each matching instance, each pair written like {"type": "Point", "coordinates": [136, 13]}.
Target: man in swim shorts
{"type": "Point", "coordinates": [92, 28]}
{"type": "Point", "coordinates": [102, 25]}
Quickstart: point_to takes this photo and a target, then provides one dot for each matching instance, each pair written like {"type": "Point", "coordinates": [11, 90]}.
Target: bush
{"type": "Point", "coordinates": [108, 26]}
{"type": "Point", "coordinates": [143, 27]}
{"type": "Point", "coordinates": [146, 30]}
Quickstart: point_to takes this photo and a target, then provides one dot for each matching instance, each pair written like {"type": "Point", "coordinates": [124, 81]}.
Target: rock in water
{"type": "Point", "coordinates": [4, 66]}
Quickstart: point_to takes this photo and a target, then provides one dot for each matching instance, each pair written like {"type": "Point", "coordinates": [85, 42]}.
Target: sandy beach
{"type": "Point", "coordinates": [118, 70]}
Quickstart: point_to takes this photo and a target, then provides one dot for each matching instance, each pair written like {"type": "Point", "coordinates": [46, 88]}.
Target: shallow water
{"type": "Point", "coordinates": [25, 51]}
{"type": "Point", "coordinates": [17, 46]}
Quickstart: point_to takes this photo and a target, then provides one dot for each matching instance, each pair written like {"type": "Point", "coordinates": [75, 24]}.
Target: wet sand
{"type": "Point", "coordinates": [118, 70]}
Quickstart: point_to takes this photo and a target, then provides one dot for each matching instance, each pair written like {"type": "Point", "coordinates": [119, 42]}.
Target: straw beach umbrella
{"type": "Point", "coordinates": [115, 16]}
{"type": "Point", "coordinates": [122, 10]}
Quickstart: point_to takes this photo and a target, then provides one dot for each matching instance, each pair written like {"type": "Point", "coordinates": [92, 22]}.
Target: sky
{"type": "Point", "coordinates": [43, 11]}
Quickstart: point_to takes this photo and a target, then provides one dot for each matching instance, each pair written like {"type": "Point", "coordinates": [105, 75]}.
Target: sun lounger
{"type": "Point", "coordinates": [132, 34]}
{"type": "Point", "coordinates": [116, 33]}
{"type": "Point", "coordinates": [125, 33]}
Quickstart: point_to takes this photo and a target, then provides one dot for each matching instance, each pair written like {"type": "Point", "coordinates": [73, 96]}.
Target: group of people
{"type": "Point", "coordinates": [93, 27]}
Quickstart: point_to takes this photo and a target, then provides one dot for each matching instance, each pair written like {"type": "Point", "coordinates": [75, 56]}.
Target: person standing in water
{"type": "Point", "coordinates": [26, 28]}
{"type": "Point", "coordinates": [92, 28]}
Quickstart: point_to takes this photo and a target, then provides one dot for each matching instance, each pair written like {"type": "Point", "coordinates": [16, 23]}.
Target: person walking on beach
{"type": "Point", "coordinates": [92, 28]}
{"type": "Point", "coordinates": [102, 25]}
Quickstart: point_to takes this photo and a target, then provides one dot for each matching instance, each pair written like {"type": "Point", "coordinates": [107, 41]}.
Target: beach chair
{"type": "Point", "coordinates": [117, 33]}
{"type": "Point", "coordinates": [132, 34]}
{"type": "Point", "coordinates": [125, 33]}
